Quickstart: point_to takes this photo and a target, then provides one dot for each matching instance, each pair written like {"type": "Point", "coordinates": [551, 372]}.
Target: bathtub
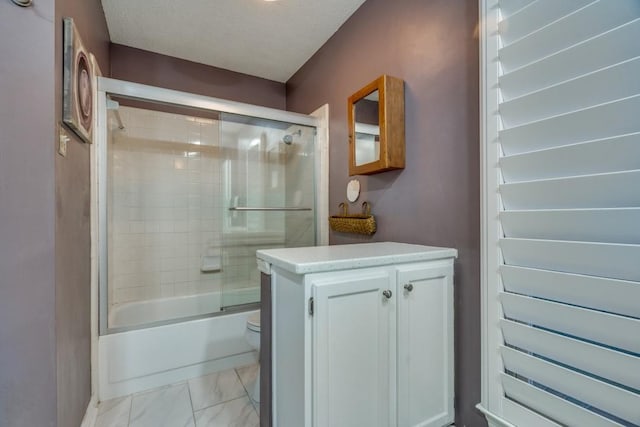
{"type": "Point", "coordinates": [146, 358]}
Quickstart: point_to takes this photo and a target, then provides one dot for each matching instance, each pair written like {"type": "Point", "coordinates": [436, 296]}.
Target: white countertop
{"type": "Point", "coordinates": [317, 259]}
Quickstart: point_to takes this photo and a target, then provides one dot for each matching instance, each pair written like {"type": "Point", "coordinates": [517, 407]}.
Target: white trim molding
{"type": "Point", "coordinates": [322, 174]}
{"type": "Point", "coordinates": [491, 392]}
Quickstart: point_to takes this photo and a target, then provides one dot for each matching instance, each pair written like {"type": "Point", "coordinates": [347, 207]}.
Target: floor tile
{"type": "Point", "coordinates": [248, 375]}
{"type": "Point", "coordinates": [166, 407]}
{"type": "Point", "coordinates": [235, 413]}
{"type": "Point", "coordinates": [215, 388]}
{"type": "Point", "coordinates": [114, 412]}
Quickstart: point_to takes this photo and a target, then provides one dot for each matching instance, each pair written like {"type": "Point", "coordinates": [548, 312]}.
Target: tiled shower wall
{"type": "Point", "coordinates": [164, 206]}
{"type": "Point", "coordinates": [172, 179]}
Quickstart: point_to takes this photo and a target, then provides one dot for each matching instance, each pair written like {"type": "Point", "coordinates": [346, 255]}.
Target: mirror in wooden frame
{"type": "Point", "coordinates": [376, 127]}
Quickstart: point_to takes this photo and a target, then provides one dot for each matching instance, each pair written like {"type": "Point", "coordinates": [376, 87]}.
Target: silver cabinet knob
{"type": "Point", "coordinates": [387, 294]}
{"type": "Point", "coordinates": [408, 287]}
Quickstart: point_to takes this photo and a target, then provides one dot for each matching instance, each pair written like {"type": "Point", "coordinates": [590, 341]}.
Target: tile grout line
{"type": "Point", "coordinates": [130, 410]}
{"type": "Point", "coordinates": [253, 404]}
{"type": "Point", "coordinates": [241, 382]}
{"type": "Point", "coordinates": [193, 413]}
{"type": "Point", "coordinates": [223, 402]}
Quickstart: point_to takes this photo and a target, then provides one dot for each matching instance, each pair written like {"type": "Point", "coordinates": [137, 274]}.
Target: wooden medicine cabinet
{"type": "Point", "coordinates": [376, 127]}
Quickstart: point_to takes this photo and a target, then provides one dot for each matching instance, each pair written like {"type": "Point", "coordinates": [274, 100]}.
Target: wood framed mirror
{"type": "Point", "coordinates": [376, 127]}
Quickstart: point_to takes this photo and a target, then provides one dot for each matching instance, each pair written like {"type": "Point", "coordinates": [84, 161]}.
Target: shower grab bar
{"type": "Point", "coordinates": [240, 208]}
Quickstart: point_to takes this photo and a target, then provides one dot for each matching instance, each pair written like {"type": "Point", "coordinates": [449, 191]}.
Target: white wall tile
{"type": "Point", "coordinates": [167, 207]}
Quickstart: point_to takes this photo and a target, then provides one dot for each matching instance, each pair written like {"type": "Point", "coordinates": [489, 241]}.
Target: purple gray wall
{"type": "Point", "coordinates": [27, 216]}
{"type": "Point", "coordinates": [45, 355]}
{"type": "Point", "coordinates": [44, 198]}
{"type": "Point", "coordinates": [154, 69]}
{"type": "Point", "coordinates": [435, 200]}
{"type": "Point", "coordinates": [73, 227]}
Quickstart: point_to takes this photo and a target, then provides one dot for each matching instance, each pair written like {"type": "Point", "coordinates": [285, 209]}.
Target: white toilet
{"type": "Point", "coordinates": [252, 334]}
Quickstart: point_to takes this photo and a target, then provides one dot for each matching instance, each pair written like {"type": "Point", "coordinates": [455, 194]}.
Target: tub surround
{"type": "Point", "coordinates": [174, 186]}
{"type": "Point", "coordinates": [154, 227]}
{"type": "Point", "coordinates": [164, 209]}
{"type": "Point", "coordinates": [360, 333]}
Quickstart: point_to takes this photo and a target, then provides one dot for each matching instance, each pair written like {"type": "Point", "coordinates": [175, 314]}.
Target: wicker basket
{"type": "Point", "coordinates": [363, 223]}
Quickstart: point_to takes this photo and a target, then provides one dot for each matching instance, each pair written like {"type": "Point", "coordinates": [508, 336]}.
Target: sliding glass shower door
{"type": "Point", "coordinates": [268, 198]}
{"type": "Point", "coordinates": [189, 195]}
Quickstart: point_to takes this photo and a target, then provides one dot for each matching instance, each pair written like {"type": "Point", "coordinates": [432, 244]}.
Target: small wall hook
{"type": "Point", "coordinates": [23, 3]}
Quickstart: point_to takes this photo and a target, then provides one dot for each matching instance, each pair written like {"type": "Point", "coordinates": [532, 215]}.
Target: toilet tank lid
{"type": "Point", "coordinates": [254, 319]}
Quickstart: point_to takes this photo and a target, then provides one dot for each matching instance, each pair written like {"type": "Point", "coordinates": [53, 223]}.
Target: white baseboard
{"type": "Point", "coordinates": [91, 413]}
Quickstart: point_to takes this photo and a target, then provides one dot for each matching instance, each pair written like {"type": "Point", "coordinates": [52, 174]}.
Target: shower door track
{"type": "Point", "coordinates": [174, 97]}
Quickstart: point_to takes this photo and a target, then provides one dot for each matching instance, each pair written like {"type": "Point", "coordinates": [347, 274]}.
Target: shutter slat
{"type": "Point", "coordinates": [585, 57]}
{"type": "Point", "coordinates": [590, 21]}
{"type": "Point", "coordinates": [611, 295]}
{"type": "Point", "coordinates": [604, 396]}
{"type": "Point", "coordinates": [593, 225]}
{"type": "Point", "coordinates": [601, 361]}
{"type": "Point", "coordinates": [592, 259]}
{"type": "Point", "coordinates": [600, 156]}
{"type": "Point", "coordinates": [525, 416]}
{"type": "Point", "coordinates": [601, 121]}
{"type": "Point", "coordinates": [604, 328]}
{"type": "Point", "coordinates": [534, 16]}
{"type": "Point", "coordinates": [606, 85]}
{"type": "Point", "coordinates": [610, 190]}
{"type": "Point", "coordinates": [552, 406]}
{"type": "Point", "coordinates": [568, 158]}
{"type": "Point", "coordinates": [509, 7]}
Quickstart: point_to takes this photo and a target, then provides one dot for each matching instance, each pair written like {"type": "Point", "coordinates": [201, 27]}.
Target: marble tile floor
{"type": "Point", "coordinates": [220, 399]}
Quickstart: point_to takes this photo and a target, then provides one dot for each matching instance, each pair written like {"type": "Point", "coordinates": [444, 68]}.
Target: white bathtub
{"type": "Point", "coordinates": [157, 310]}
{"type": "Point", "coordinates": [139, 313]}
{"type": "Point", "coordinates": [151, 357]}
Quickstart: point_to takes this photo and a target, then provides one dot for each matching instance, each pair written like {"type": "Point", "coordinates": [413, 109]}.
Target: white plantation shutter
{"type": "Point", "coordinates": [568, 280]}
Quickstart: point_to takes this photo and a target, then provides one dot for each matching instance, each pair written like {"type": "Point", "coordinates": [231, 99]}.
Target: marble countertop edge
{"type": "Point", "coordinates": [340, 257]}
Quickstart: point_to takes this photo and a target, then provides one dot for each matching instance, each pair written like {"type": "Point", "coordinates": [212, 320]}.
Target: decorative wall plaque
{"type": "Point", "coordinates": [78, 91]}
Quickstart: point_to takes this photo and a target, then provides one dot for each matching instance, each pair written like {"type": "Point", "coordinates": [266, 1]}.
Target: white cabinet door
{"type": "Point", "coordinates": [354, 349]}
{"type": "Point", "coordinates": [425, 345]}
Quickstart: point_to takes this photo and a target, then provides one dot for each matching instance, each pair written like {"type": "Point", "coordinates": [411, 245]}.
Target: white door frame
{"type": "Point", "coordinates": [490, 229]}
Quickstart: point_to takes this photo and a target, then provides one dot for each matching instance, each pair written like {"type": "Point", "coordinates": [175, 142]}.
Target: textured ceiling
{"type": "Point", "coordinates": [270, 39]}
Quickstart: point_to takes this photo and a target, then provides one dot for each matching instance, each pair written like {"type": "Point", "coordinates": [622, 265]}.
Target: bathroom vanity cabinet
{"type": "Point", "coordinates": [362, 335]}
